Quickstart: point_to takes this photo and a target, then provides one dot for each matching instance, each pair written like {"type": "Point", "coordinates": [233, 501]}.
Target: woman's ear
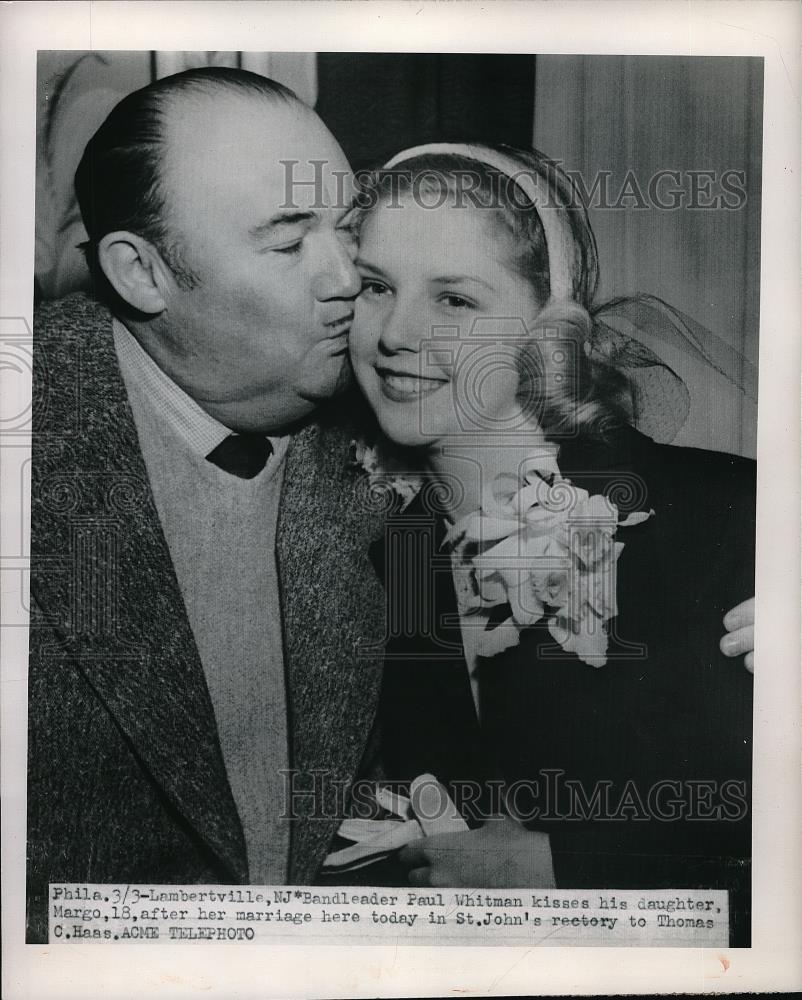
{"type": "Point", "coordinates": [135, 270]}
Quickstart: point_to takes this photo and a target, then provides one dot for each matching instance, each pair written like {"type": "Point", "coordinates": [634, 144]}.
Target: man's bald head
{"type": "Point", "coordinates": [120, 184]}
{"type": "Point", "coordinates": [239, 284]}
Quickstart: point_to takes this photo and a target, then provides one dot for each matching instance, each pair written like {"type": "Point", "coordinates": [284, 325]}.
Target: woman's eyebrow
{"type": "Point", "coordinates": [351, 208]}
{"type": "Point", "coordinates": [460, 279]}
{"type": "Point", "coordinates": [367, 266]}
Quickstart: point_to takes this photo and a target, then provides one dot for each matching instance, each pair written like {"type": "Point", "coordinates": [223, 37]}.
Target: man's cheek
{"type": "Point", "coordinates": [256, 291]}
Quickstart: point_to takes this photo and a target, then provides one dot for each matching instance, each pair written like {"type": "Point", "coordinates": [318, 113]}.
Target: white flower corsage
{"type": "Point", "coordinates": [547, 549]}
{"type": "Point", "coordinates": [539, 545]}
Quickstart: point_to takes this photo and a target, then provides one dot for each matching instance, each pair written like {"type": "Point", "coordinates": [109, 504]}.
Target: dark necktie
{"type": "Point", "coordinates": [242, 455]}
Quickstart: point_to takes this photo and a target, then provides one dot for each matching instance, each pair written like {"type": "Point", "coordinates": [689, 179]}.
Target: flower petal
{"type": "Point", "coordinates": [481, 528]}
{"type": "Point", "coordinates": [526, 608]}
{"type": "Point", "coordinates": [496, 640]}
{"type": "Point", "coordinates": [589, 643]}
{"type": "Point", "coordinates": [491, 589]}
{"type": "Point", "coordinates": [637, 518]}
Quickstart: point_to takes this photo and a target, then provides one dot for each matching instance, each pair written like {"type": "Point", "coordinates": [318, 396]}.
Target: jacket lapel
{"type": "Point", "coordinates": [136, 647]}
{"type": "Point", "coordinates": [333, 611]}
{"type": "Point", "coordinates": [425, 668]}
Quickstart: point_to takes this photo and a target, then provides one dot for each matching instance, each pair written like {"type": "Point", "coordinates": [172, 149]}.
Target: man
{"type": "Point", "coordinates": [199, 579]}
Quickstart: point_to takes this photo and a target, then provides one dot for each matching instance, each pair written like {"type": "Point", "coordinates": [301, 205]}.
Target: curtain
{"type": "Point", "coordinates": [380, 103]}
{"type": "Point", "coordinates": [631, 117]}
{"type": "Point", "coordinates": [75, 92]}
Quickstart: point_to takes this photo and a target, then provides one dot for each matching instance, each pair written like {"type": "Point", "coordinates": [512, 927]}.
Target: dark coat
{"type": "Point", "coordinates": [667, 706]}
{"type": "Point", "coordinates": [126, 781]}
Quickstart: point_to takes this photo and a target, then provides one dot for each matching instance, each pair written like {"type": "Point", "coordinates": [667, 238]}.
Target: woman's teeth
{"type": "Point", "coordinates": [397, 386]}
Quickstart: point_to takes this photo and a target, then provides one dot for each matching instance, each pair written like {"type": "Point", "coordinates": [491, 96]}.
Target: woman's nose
{"type": "Point", "coordinates": [403, 328]}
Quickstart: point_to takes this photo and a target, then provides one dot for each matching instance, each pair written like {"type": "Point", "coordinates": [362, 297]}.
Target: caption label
{"type": "Point", "coordinates": [170, 914]}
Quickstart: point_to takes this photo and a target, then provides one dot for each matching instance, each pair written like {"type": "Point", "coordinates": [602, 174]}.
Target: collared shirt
{"type": "Point", "coordinates": [199, 429]}
{"type": "Point", "coordinates": [221, 533]}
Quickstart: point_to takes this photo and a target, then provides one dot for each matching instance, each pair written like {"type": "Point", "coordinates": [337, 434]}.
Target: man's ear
{"type": "Point", "coordinates": [135, 270]}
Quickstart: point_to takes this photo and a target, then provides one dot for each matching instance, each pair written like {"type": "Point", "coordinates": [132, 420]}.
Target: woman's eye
{"type": "Point", "coordinates": [372, 287]}
{"type": "Point", "coordinates": [457, 302]}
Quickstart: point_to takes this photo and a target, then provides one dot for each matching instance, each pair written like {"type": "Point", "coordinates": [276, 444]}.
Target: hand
{"type": "Point", "coordinates": [499, 854]}
{"type": "Point", "coordinates": [740, 638]}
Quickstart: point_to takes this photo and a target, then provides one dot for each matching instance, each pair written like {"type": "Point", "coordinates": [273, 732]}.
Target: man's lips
{"type": "Point", "coordinates": [401, 386]}
{"type": "Point", "coordinates": [341, 325]}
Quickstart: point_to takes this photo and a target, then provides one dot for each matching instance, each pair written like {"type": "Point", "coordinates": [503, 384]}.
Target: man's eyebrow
{"type": "Point", "coordinates": [459, 279]}
{"type": "Point", "coordinates": [263, 229]}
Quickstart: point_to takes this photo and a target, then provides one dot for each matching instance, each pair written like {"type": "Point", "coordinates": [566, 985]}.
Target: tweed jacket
{"type": "Point", "coordinates": [126, 780]}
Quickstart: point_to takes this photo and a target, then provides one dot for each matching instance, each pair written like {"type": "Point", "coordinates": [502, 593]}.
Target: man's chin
{"type": "Point", "coordinates": [336, 386]}
{"type": "Point", "coordinates": [320, 397]}
{"type": "Point", "coordinates": [346, 379]}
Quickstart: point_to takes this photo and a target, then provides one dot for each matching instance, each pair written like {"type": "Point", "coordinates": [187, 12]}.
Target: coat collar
{"type": "Point", "coordinates": [130, 637]}
{"type": "Point", "coordinates": [334, 621]}
{"type": "Point", "coordinates": [620, 465]}
{"type": "Point", "coordinates": [143, 662]}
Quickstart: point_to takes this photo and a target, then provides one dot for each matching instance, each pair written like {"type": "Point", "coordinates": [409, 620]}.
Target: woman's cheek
{"type": "Point", "coordinates": [361, 348]}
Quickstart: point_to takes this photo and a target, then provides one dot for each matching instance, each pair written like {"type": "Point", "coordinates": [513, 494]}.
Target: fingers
{"type": "Point", "coordinates": [450, 841]}
{"type": "Point", "coordinates": [740, 638]}
{"type": "Point", "coordinates": [414, 854]}
{"type": "Point", "coordinates": [739, 642]}
{"type": "Point", "coordinates": [741, 615]}
{"type": "Point", "coordinates": [424, 869]}
{"type": "Point", "coordinates": [419, 876]}
{"type": "Point", "coordinates": [431, 861]}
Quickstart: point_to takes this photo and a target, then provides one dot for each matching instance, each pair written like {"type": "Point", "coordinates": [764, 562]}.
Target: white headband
{"type": "Point", "coordinates": [556, 228]}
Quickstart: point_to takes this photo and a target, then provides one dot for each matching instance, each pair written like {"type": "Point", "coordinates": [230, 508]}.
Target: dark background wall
{"type": "Point", "coordinates": [379, 103]}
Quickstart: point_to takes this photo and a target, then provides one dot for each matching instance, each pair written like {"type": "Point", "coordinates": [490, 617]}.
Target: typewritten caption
{"type": "Point", "coordinates": [172, 914]}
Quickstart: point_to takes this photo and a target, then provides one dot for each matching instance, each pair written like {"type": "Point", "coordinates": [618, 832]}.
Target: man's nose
{"type": "Point", "coordinates": [338, 278]}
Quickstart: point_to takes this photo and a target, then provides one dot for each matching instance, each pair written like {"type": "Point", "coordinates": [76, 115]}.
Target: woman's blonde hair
{"type": "Point", "coordinates": [569, 393]}
{"type": "Point", "coordinates": [561, 387]}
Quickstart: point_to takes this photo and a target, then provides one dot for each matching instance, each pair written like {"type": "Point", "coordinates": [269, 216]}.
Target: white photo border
{"type": "Point", "coordinates": [767, 29]}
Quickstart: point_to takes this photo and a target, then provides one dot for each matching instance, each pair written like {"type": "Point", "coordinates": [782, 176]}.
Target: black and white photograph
{"type": "Point", "coordinates": [393, 491]}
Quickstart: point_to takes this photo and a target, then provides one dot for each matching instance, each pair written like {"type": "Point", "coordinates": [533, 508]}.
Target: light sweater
{"type": "Point", "coordinates": [221, 533]}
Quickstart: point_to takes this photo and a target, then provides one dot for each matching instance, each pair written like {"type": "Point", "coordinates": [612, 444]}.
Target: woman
{"type": "Point", "coordinates": [557, 581]}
